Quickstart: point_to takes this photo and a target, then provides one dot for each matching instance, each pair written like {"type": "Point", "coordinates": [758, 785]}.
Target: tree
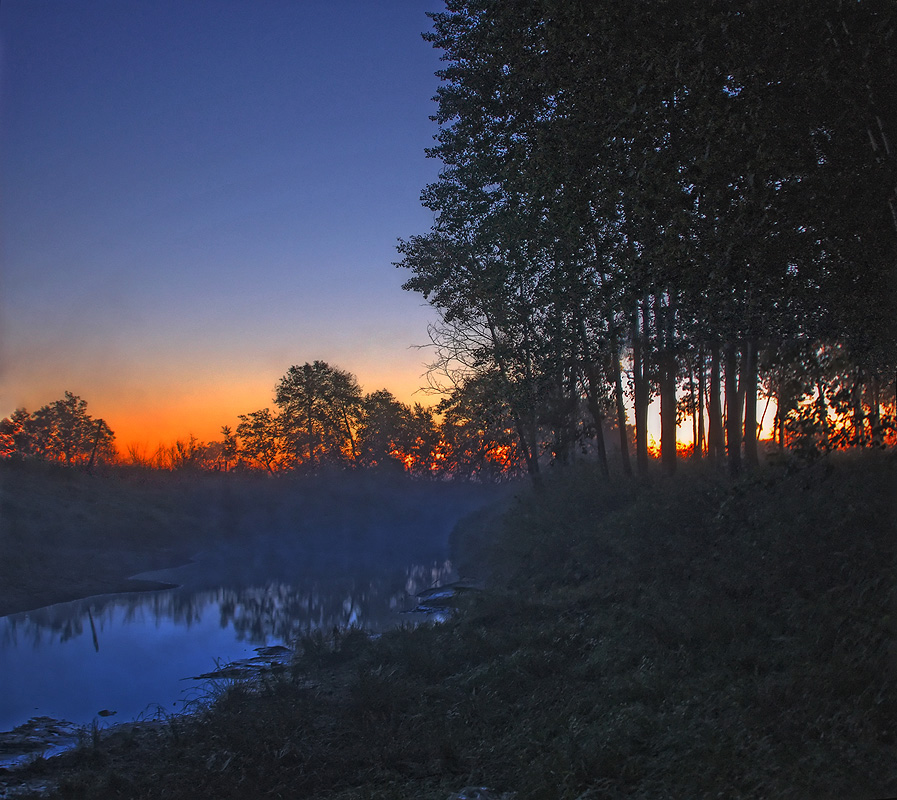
{"type": "Point", "coordinates": [261, 441]}
{"type": "Point", "coordinates": [15, 431]}
{"type": "Point", "coordinates": [187, 454]}
{"type": "Point", "coordinates": [392, 433]}
{"type": "Point", "coordinates": [426, 456]}
{"type": "Point", "coordinates": [385, 432]}
{"type": "Point", "coordinates": [669, 175]}
{"type": "Point", "coordinates": [478, 431]}
{"type": "Point", "coordinates": [60, 431]}
{"type": "Point", "coordinates": [320, 410]}
{"type": "Point", "coordinates": [483, 285]}
{"type": "Point", "coordinates": [229, 447]}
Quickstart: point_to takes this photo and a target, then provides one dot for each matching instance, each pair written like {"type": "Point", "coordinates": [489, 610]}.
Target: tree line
{"type": "Point", "coordinates": [691, 202]}
{"type": "Point", "coordinates": [321, 420]}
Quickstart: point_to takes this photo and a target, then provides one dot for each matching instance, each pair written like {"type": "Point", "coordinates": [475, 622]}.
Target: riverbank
{"type": "Point", "coordinates": [684, 638]}
{"type": "Point", "coordinates": [66, 535]}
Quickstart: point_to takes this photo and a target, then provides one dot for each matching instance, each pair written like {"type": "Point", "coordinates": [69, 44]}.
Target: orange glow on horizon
{"type": "Point", "coordinates": [155, 414]}
{"type": "Point", "coordinates": [157, 417]}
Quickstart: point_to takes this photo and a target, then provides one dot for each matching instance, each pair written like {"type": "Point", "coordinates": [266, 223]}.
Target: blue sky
{"type": "Point", "coordinates": [197, 195]}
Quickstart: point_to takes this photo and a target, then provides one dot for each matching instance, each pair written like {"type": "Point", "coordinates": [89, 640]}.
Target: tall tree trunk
{"type": "Point", "coordinates": [598, 417]}
{"type": "Point", "coordinates": [573, 412]}
{"type": "Point", "coordinates": [733, 411]}
{"type": "Point", "coordinates": [751, 455]}
{"type": "Point", "coordinates": [763, 415]}
{"type": "Point", "coordinates": [874, 410]}
{"type": "Point", "coordinates": [782, 403]}
{"type": "Point", "coordinates": [694, 405]}
{"type": "Point", "coordinates": [668, 412]}
{"type": "Point", "coordinates": [591, 373]}
{"type": "Point", "coordinates": [822, 415]}
{"type": "Point", "coordinates": [663, 321]}
{"type": "Point", "coordinates": [532, 427]}
{"type": "Point", "coordinates": [859, 414]}
{"type": "Point", "coordinates": [715, 446]}
{"type": "Point", "coordinates": [699, 442]}
{"type": "Point", "coordinates": [96, 443]}
{"type": "Point", "coordinates": [640, 381]}
{"type": "Point", "coordinates": [621, 408]}
{"type": "Point", "coordinates": [350, 435]}
{"type": "Point", "coordinates": [532, 463]}
{"type": "Point", "coordinates": [527, 438]}
{"type": "Point", "coordinates": [559, 422]}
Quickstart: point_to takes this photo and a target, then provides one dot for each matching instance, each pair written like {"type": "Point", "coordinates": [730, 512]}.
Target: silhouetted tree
{"type": "Point", "coordinates": [228, 447]}
{"type": "Point", "coordinates": [394, 433]}
{"type": "Point", "coordinates": [320, 410]}
{"type": "Point", "coordinates": [16, 434]}
{"type": "Point", "coordinates": [385, 433]}
{"type": "Point", "coordinates": [670, 175]}
{"type": "Point", "coordinates": [479, 431]}
{"type": "Point", "coordinates": [260, 441]}
{"type": "Point", "coordinates": [60, 431]}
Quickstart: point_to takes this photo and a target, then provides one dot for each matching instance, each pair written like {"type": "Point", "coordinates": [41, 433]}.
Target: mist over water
{"type": "Point", "coordinates": [291, 558]}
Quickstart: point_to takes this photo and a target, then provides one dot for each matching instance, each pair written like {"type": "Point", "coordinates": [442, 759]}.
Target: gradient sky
{"type": "Point", "coordinates": [197, 195]}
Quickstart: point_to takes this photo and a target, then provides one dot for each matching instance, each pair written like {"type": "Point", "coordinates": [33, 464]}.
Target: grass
{"type": "Point", "coordinates": [679, 638]}
{"type": "Point", "coordinates": [65, 534]}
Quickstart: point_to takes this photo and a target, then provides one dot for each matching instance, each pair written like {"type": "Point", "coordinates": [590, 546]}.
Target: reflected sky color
{"type": "Point", "coordinates": [196, 196]}
{"type": "Point", "coordinates": [142, 655]}
{"type": "Point", "coordinates": [286, 559]}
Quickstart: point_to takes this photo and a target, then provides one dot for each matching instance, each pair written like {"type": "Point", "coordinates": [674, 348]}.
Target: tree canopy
{"type": "Point", "coordinates": [695, 188]}
{"type": "Point", "coordinates": [61, 431]}
{"type": "Point", "coordinates": [691, 202]}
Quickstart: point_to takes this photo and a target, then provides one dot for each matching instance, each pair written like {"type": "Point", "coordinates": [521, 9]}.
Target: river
{"type": "Point", "coordinates": [118, 658]}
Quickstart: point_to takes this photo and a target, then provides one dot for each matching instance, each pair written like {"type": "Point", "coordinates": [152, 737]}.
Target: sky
{"type": "Point", "coordinates": [195, 196]}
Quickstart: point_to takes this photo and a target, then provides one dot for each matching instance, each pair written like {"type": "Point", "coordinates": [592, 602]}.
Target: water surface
{"type": "Point", "coordinates": [117, 658]}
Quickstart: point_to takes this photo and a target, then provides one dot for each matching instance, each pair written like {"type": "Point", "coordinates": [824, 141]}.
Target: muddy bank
{"type": "Point", "coordinates": [73, 587]}
{"type": "Point", "coordinates": [66, 535]}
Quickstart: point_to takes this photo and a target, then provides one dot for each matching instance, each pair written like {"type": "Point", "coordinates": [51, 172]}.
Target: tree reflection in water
{"type": "Point", "coordinates": [323, 558]}
{"type": "Point", "coordinates": [257, 614]}
{"type": "Point", "coordinates": [147, 645]}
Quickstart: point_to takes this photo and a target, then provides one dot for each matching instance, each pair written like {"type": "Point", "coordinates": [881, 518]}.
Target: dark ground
{"type": "Point", "coordinates": [680, 638]}
{"type": "Point", "coordinates": [65, 535]}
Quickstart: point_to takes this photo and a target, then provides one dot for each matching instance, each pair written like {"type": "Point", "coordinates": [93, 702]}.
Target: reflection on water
{"type": "Point", "coordinates": [285, 558]}
{"type": "Point", "coordinates": [132, 654]}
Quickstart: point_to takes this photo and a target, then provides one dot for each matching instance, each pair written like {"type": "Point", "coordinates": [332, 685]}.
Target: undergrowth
{"type": "Point", "coordinates": [683, 638]}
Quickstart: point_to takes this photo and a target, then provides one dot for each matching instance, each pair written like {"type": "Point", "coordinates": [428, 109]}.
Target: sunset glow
{"type": "Point", "coordinates": [203, 221]}
{"type": "Point", "coordinates": [207, 218]}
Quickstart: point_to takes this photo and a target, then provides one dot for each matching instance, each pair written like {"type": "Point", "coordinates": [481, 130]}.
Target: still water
{"type": "Point", "coordinates": [117, 658]}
